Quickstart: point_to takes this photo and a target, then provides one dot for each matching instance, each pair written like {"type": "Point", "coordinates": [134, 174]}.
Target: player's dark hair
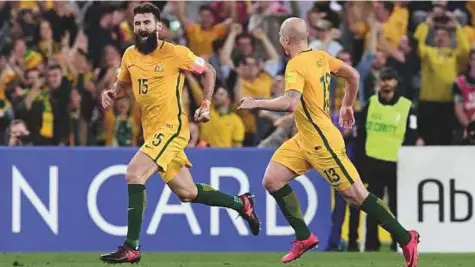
{"type": "Point", "coordinates": [388, 73]}
{"type": "Point", "coordinates": [147, 7]}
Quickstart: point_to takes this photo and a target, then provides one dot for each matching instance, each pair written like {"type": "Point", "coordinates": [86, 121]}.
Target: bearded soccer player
{"type": "Point", "coordinates": [154, 70]}
{"type": "Point", "coordinates": [318, 143]}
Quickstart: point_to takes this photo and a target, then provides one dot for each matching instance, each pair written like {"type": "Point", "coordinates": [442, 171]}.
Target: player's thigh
{"type": "Point", "coordinates": [140, 168]}
{"type": "Point", "coordinates": [287, 163]}
{"type": "Point", "coordinates": [183, 186]}
{"type": "Point", "coordinates": [166, 148]}
{"type": "Point", "coordinates": [335, 167]}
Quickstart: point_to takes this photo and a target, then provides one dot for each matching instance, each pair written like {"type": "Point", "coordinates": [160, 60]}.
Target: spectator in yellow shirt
{"type": "Point", "coordinates": [47, 46]}
{"type": "Point", "coordinates": [393, 20]}
{"type": "Point", "coordinates": [254, 75]}
{"type": "Point", "coordinates": [20, 60]}
{"type": "Point", "coordinates": [439, 70]}
{"type": "Point", "coordinates": [201, 35]}
{"type": "Point", "coordinates": [225, 128]}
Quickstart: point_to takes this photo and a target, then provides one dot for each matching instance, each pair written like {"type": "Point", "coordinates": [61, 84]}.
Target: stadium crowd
{"type": "Point", "coordinates": [57, 57]}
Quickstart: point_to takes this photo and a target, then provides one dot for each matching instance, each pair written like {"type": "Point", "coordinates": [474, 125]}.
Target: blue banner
{"type": "Point", "coordinates": [75, 199]}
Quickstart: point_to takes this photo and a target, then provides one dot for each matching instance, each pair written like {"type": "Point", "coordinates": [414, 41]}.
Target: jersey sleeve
{"type": "Point", "coordinates": [191, 27]}
{"type": "Point", "coordinates": [334, 63]}
{"type": "Point", "coordinates": [294, 80]}
{"type": "Point", "coordinates": [124, 74]}
{"type": "Point", "coordinates": [188, 61]}
{"type": "Point", "coordinates": [220, 29]}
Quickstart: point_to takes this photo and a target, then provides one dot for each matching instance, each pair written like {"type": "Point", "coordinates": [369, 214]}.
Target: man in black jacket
{"type": "Point", "coordinates": [387, 122]}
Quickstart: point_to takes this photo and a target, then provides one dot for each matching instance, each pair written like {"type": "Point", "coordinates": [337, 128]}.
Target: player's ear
{"type": "Point", "coordinates": [286, 40]}
{"type": "Point", "coordinates": [159, 26]}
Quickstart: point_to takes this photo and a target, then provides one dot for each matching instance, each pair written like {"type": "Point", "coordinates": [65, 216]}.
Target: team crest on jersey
{"type": "Point", "coordinates": [159, 68]}
{"type": "Point", "coordinates": [319, 62]}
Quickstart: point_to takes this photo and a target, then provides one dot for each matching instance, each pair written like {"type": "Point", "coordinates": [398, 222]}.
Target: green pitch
{"type": "Point", "coordinates": [311, 259]}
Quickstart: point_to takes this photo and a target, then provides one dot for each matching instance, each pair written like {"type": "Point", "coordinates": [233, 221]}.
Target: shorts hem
{"type": "Point", "coordinates": [160, 168]}
{"type": "Point", "coordinates": [288, 167]}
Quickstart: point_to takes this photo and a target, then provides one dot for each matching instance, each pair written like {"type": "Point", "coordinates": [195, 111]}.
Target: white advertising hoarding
{"type": "Point", "coordinates": [436, 189]}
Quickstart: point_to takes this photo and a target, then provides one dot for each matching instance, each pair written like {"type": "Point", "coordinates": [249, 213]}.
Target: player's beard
{"type": "Point", "coordinates": [147, 46]}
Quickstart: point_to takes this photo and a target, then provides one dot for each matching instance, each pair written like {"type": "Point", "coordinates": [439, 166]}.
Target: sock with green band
{"type": "Point", "coordinates": [376, 208]}
{"type": "Point", "coordinates": [212, 197]}
{"type": "Point", "coordinates": [289, 204]}
{"type": "Point", "coordinates": [137, 203]}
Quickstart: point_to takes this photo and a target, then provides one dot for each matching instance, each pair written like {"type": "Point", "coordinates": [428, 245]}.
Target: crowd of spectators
{"type": "Point", "coordinates": [56, 58]}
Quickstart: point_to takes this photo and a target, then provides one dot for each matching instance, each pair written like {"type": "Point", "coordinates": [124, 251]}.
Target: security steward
{"type": "Point", "coordinates": [387, 122]}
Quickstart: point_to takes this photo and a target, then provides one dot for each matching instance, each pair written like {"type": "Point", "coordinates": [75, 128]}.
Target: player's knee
{"type": "Point", "coordinates": [187, 195]}
{"type": "Point", "coordinates": [355, 195]}
{"type": "Point", "coordinates": [271, 184]}
{"type": "Point", "coordinates": [132, 176]}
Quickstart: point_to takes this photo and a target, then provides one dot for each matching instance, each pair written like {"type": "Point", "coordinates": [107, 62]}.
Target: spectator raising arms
{"type": "Point", "coordinates": [57, 57]}
{"type": "Point", "coordinates": [201, 35]}
{"type": "Point", "coordinates": [439, 70]}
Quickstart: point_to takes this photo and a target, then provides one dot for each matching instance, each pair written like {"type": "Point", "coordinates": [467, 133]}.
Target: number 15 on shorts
{"type": "Point", "coordinates": [156, 141]}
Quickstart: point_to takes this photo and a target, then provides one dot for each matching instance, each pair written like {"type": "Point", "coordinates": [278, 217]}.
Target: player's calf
{"type": "Point", "coordinates": [376, 208]}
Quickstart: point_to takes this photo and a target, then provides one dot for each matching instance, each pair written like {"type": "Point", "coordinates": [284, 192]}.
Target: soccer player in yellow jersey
{"type": "Point", "coordinates": [319, 143]}
{"type": "Point", "coordinates": [153, 69]}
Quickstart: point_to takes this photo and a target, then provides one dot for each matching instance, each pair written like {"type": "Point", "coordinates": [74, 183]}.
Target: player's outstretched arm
{"type": "Point", "coordinates": [209, 82]}
{"type": "Point", "coordinates": [119, 90]}
{"type": "Point", "coordinates": [352, 78]}
{"type": "Point", "coordinates": [202, 113]}
{"type": "Point", "coordinates": [287, 102]}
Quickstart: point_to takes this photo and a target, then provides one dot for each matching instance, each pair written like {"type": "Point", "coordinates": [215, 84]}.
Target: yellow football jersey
{"type": "Point", "coordinates": [157, 82]}
{"type": "Point", "coordinates": [310, 74]}
{"type": "Point", "coordinates": [223, 130]}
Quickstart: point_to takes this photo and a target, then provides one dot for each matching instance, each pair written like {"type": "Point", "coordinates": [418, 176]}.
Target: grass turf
{"type": "Point", "coordinates": [314, 259]}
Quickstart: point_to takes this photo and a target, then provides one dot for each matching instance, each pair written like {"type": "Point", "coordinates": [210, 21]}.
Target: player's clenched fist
{"type": "Point", "coordinates": [347, 119]}
{"type": "Point", "coordinates": [202, 113]}
{"type": "Point", "coordinates": [248, 103]}
{"type": "Point", "coordinates": [108, 97]}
